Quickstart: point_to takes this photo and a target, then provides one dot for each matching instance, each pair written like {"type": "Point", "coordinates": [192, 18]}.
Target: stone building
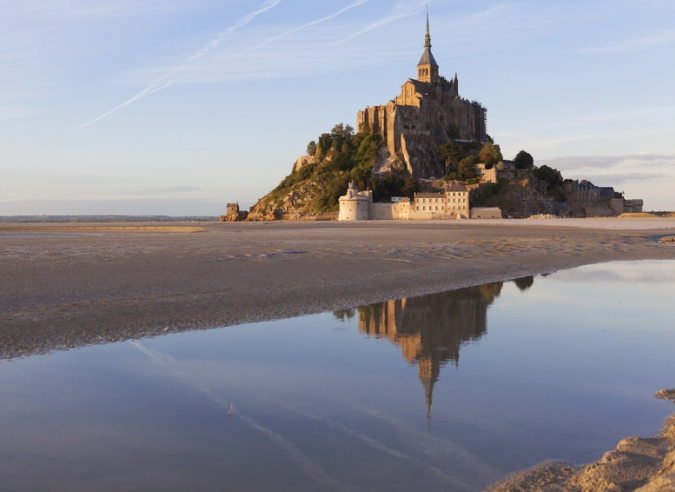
{"type": "Point", "coordinates": [453, 203]}
{"type": "Point", "coordinates": [232, 209]}
{"type": "Point", "coordinates": [428, 112]}
{"type": "Point", "coordinates": [233, 214]}
{"type": "Point", "coordinates": [584, 199]}
{"type": "Point", "coordinates": [355, 205]}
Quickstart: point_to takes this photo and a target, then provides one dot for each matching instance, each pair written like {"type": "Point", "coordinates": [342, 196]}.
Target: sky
{"type": "Point", "coordinates": [176, 107]}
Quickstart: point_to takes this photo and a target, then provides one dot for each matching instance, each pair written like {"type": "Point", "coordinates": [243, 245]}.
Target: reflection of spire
{"type": "Point", "coordinates": [428, 372]}
{"type": "Point", "coordinates": [430, 330]}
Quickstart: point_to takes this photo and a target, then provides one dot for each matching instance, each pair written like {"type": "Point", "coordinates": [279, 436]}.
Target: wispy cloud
{"type": "Point", "coordinates": [169, 78]}
{"type": "Point", "coordinates": [172, 190]}
{"type": "Point", "coordinates": [604, 162]}
{"type": "Point", "coordinates": [78, 10]}
{"type": "Point", "coordinates": [402, 9]}
{"type": "Point", "coordinates": [177, 73]}
{"type": "Point", "coordinates": [310, 24]}
{"type": "Point", "coordinates": [634, 44]}
{"type": "Point", "coordinates": [614, 179]}
{"type": "Point", "coordinates": [615, 170]}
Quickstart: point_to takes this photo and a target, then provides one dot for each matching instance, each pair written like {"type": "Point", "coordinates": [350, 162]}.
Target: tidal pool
{"type": "Point", "coordinates": [442, 392]}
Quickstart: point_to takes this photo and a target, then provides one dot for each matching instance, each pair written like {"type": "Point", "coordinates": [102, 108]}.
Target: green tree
{"type": "Point", "coordinates": [523, 160]}
{"type": "Point", "coordinates": [453, 131]}
{"type": "Point", "coordinates": [548, 174]}
{"type": "Point", "coordinates": [342, 130]}
{"type": "Point", "coordinates": [410, 187]}
{"type": "Point", "coordinates": [451, 153]}
{"type": "Point", "coordinates": [311, 148]}
{"type": "Point", "coordinates": [490, 154]}
{"type": "Point", "coordinates": [466, 169]}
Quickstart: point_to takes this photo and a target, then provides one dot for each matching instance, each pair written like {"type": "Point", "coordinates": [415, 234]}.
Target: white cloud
{"type": "Point", "coordinates": [601, 162]}
{"type": "Point", "coordinates": [403, 8]}
{"type": "Point", "coordinates": [79, 10]}
{"type": "Point", "coordinates": [634, 44]}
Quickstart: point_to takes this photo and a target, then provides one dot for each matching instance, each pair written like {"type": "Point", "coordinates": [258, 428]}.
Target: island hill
{"type": "Point", "coordinates": [425, 155]}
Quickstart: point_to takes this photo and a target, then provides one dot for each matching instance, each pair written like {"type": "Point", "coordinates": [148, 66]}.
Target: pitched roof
{"type": "Point", "coordinates": [428, 58]}
{"type": "Point", "coordinates": [421, 87]}
{"type": "Point", "coordinates": [429, 195]}
{"type": "Point", "coordinates": [455, 187]}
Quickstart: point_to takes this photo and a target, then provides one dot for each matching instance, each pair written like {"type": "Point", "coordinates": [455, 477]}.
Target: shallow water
{"type": "Point", "coordinates": [448, 391]}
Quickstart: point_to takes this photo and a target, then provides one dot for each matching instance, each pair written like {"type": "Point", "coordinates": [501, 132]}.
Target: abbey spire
{"type": "Point", "coordinates": [427, 68]}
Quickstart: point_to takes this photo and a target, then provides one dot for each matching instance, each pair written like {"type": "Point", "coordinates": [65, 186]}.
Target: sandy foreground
{"type": "Point", "coordinates": [65, 285]}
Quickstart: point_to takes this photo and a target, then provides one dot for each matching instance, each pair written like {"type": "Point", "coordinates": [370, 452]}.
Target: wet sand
{"type": "Point", "coordinates": [64, 286]}
{"type": "Point", "coordinates": [68, 285]}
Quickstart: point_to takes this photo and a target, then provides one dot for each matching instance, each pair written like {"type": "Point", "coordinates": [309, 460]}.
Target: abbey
{"type": "Point", "coordinates": [428, 112]}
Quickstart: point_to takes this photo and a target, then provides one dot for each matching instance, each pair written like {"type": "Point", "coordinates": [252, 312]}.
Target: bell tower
{"type": "Point", "coordinates": [427, 68]}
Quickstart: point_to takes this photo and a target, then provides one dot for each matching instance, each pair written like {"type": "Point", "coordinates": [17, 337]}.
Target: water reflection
{"type": "Point", "coordinates": [430, 329]}
{"type": "Point", "coordinates": [567, 371]}
{"type": "Point", "coordinates": [524, 283]}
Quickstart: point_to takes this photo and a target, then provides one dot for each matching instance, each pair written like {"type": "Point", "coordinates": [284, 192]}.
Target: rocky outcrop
{"type": "Point", "coordinates": [636, 464]}
{"type": "Point", "coordinates": [523, 198]}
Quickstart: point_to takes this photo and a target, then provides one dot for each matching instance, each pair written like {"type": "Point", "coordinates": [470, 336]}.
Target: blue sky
{"type": "Point", "coordinates": [178, 106]}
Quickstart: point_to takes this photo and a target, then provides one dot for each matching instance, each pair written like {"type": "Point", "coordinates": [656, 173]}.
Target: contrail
{"type": "Point", "coordinates": [310, 24]}
{"type": "Point", "coordinates": [401, 11]}
{"type": "Point", "coordinates": [160, 85]}
{"type": "Point", "coordinates": [292, 31]}
{"type": "Point", "coordinates": [303, 461]}
{"type": "Point", "coordinates": [211, 45]}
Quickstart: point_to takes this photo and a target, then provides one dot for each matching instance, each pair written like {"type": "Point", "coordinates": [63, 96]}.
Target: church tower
{"type": "Point", "coordinates": [427, 68]}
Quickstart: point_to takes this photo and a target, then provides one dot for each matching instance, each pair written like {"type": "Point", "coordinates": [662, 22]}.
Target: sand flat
{"type": "Point", "coordinates": [60, 291]}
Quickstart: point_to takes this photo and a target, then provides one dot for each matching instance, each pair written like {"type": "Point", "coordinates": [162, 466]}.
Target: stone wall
{"type": "Point", "coordinates": [486, 213]}
{"type": "Point", "coordinates": [416, 123]}
{"type": "Point", "coordinates": [390, 211]}
{"type": "Point", "coordinates": [633, 206]}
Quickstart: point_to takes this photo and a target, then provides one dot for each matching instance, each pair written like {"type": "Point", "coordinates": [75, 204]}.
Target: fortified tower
{"type": "Point", "coordinates": [428, 112]}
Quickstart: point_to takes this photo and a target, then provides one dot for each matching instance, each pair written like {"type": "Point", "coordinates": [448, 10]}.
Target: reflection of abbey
{"type": "Point", "coordinates": [430, 330]}
{"type": "Point", "coordinates": [428, 112]}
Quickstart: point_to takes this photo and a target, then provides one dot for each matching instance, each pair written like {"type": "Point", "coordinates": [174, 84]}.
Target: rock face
{"type": "Point", "coordinates": [637, 464]}
{"type": "Point", "coordinates": [523, 198]}
{"type": "Point", "coordinates": [428, 112]}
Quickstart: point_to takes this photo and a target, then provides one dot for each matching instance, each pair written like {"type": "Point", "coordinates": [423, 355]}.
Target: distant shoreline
{"type": "Point", "coordinates": [96, 219]}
